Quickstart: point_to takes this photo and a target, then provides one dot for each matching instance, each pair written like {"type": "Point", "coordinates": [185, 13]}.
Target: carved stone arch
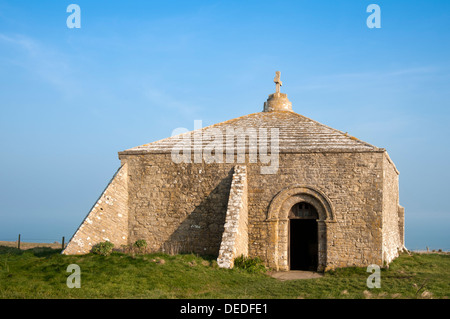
{"type": "Point", "coordinates": [278, 223]}
{"type": "Point", "coordinates": [288, 197]}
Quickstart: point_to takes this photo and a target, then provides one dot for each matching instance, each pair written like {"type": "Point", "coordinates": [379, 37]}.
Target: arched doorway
{"type": "Point", "coordinates": [278, 223]}
{"type": "Point", "coordinates": [303, 237]}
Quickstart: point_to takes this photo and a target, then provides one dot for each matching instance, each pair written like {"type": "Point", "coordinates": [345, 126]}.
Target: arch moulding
{"type": "Point", "coordinates": [278, 222]}
{"type": "Point", "coordinates": [288, 197]}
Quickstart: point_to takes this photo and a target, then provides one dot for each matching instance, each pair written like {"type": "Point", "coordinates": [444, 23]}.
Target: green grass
{"type": "Point", "coordinates": [41, 273]}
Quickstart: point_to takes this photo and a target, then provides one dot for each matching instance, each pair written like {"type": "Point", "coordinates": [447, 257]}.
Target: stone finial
{"type": "Point", "coordinates": [277, 101]}
{"type": "Point", "coordinates": [277, 81]}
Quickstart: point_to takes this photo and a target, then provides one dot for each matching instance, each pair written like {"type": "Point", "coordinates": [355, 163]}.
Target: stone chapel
{"type": "Point", "coordinates": [273, 184]}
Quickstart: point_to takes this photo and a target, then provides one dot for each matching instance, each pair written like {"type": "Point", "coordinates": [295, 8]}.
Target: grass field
{"type": "Point", "coordinates": [41, 273]}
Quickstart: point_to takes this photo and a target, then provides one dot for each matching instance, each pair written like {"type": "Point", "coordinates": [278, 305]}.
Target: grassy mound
{"type": "Point", "coordinates": [42, 273]}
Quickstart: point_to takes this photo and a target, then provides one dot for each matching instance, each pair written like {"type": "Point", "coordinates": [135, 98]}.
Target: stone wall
{"type": "Point", "coordinates": [353, 184]}
{"type": "Point", "coordinates": [392, 222]}
{"type": "Point", "coordinates": [235, 235]}
{"type": "Point", "coordinates": [401, 225]}
{"type": "Point", "coordinates": [177, 207]}
{"type": "Point", "coordinates": [107, 220]}
{"type": "Point", "coordinates": [182, 207]}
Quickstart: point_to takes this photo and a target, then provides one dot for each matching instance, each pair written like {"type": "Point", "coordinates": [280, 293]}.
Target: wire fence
{"type": "Point", "coordinates": [21, 242]}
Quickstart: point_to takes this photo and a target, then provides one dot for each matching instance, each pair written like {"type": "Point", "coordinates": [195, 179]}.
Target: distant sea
{"type": "Point", "coordinates": [421, 233]}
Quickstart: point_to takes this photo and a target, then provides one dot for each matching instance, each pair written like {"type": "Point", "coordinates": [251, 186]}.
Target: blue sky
{"type": "Point", "coordinates": [70, 99]}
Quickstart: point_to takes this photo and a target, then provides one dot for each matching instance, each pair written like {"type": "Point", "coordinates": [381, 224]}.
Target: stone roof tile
{"type": "Point", "coordinates": [297, 133]}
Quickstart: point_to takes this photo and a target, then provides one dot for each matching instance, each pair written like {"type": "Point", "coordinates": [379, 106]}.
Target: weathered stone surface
{"type": "Point", "coordinates": [393, 225]}
{"type": "Point", "coordinates": [297, 134]}
{"type": "Point", "coordinates": [107, 220]}
{"type": "Point", "coordinates": [177, 207]}
{"type": "Point", "coordinates": [235, 236]}
{"type": "Point", "coordinates": [180, 207]}
{"type": "Point", "coordinates": [349, 232]}
{"type": "Point", "coordinates": [277, 102]}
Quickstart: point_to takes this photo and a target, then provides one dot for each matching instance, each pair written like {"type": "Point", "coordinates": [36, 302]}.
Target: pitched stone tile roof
{"type": "Point", "coordinates": [297, 134]}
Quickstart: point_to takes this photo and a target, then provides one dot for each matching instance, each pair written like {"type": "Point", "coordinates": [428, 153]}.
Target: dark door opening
{"type": "Point", "coordinates": [303, 240]}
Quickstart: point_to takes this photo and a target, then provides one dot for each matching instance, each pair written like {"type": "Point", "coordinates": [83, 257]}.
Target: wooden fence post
{"type": "Point", "coordinates": [18, 243]}
{"type": "Point", "coordinates": [62, 246]}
